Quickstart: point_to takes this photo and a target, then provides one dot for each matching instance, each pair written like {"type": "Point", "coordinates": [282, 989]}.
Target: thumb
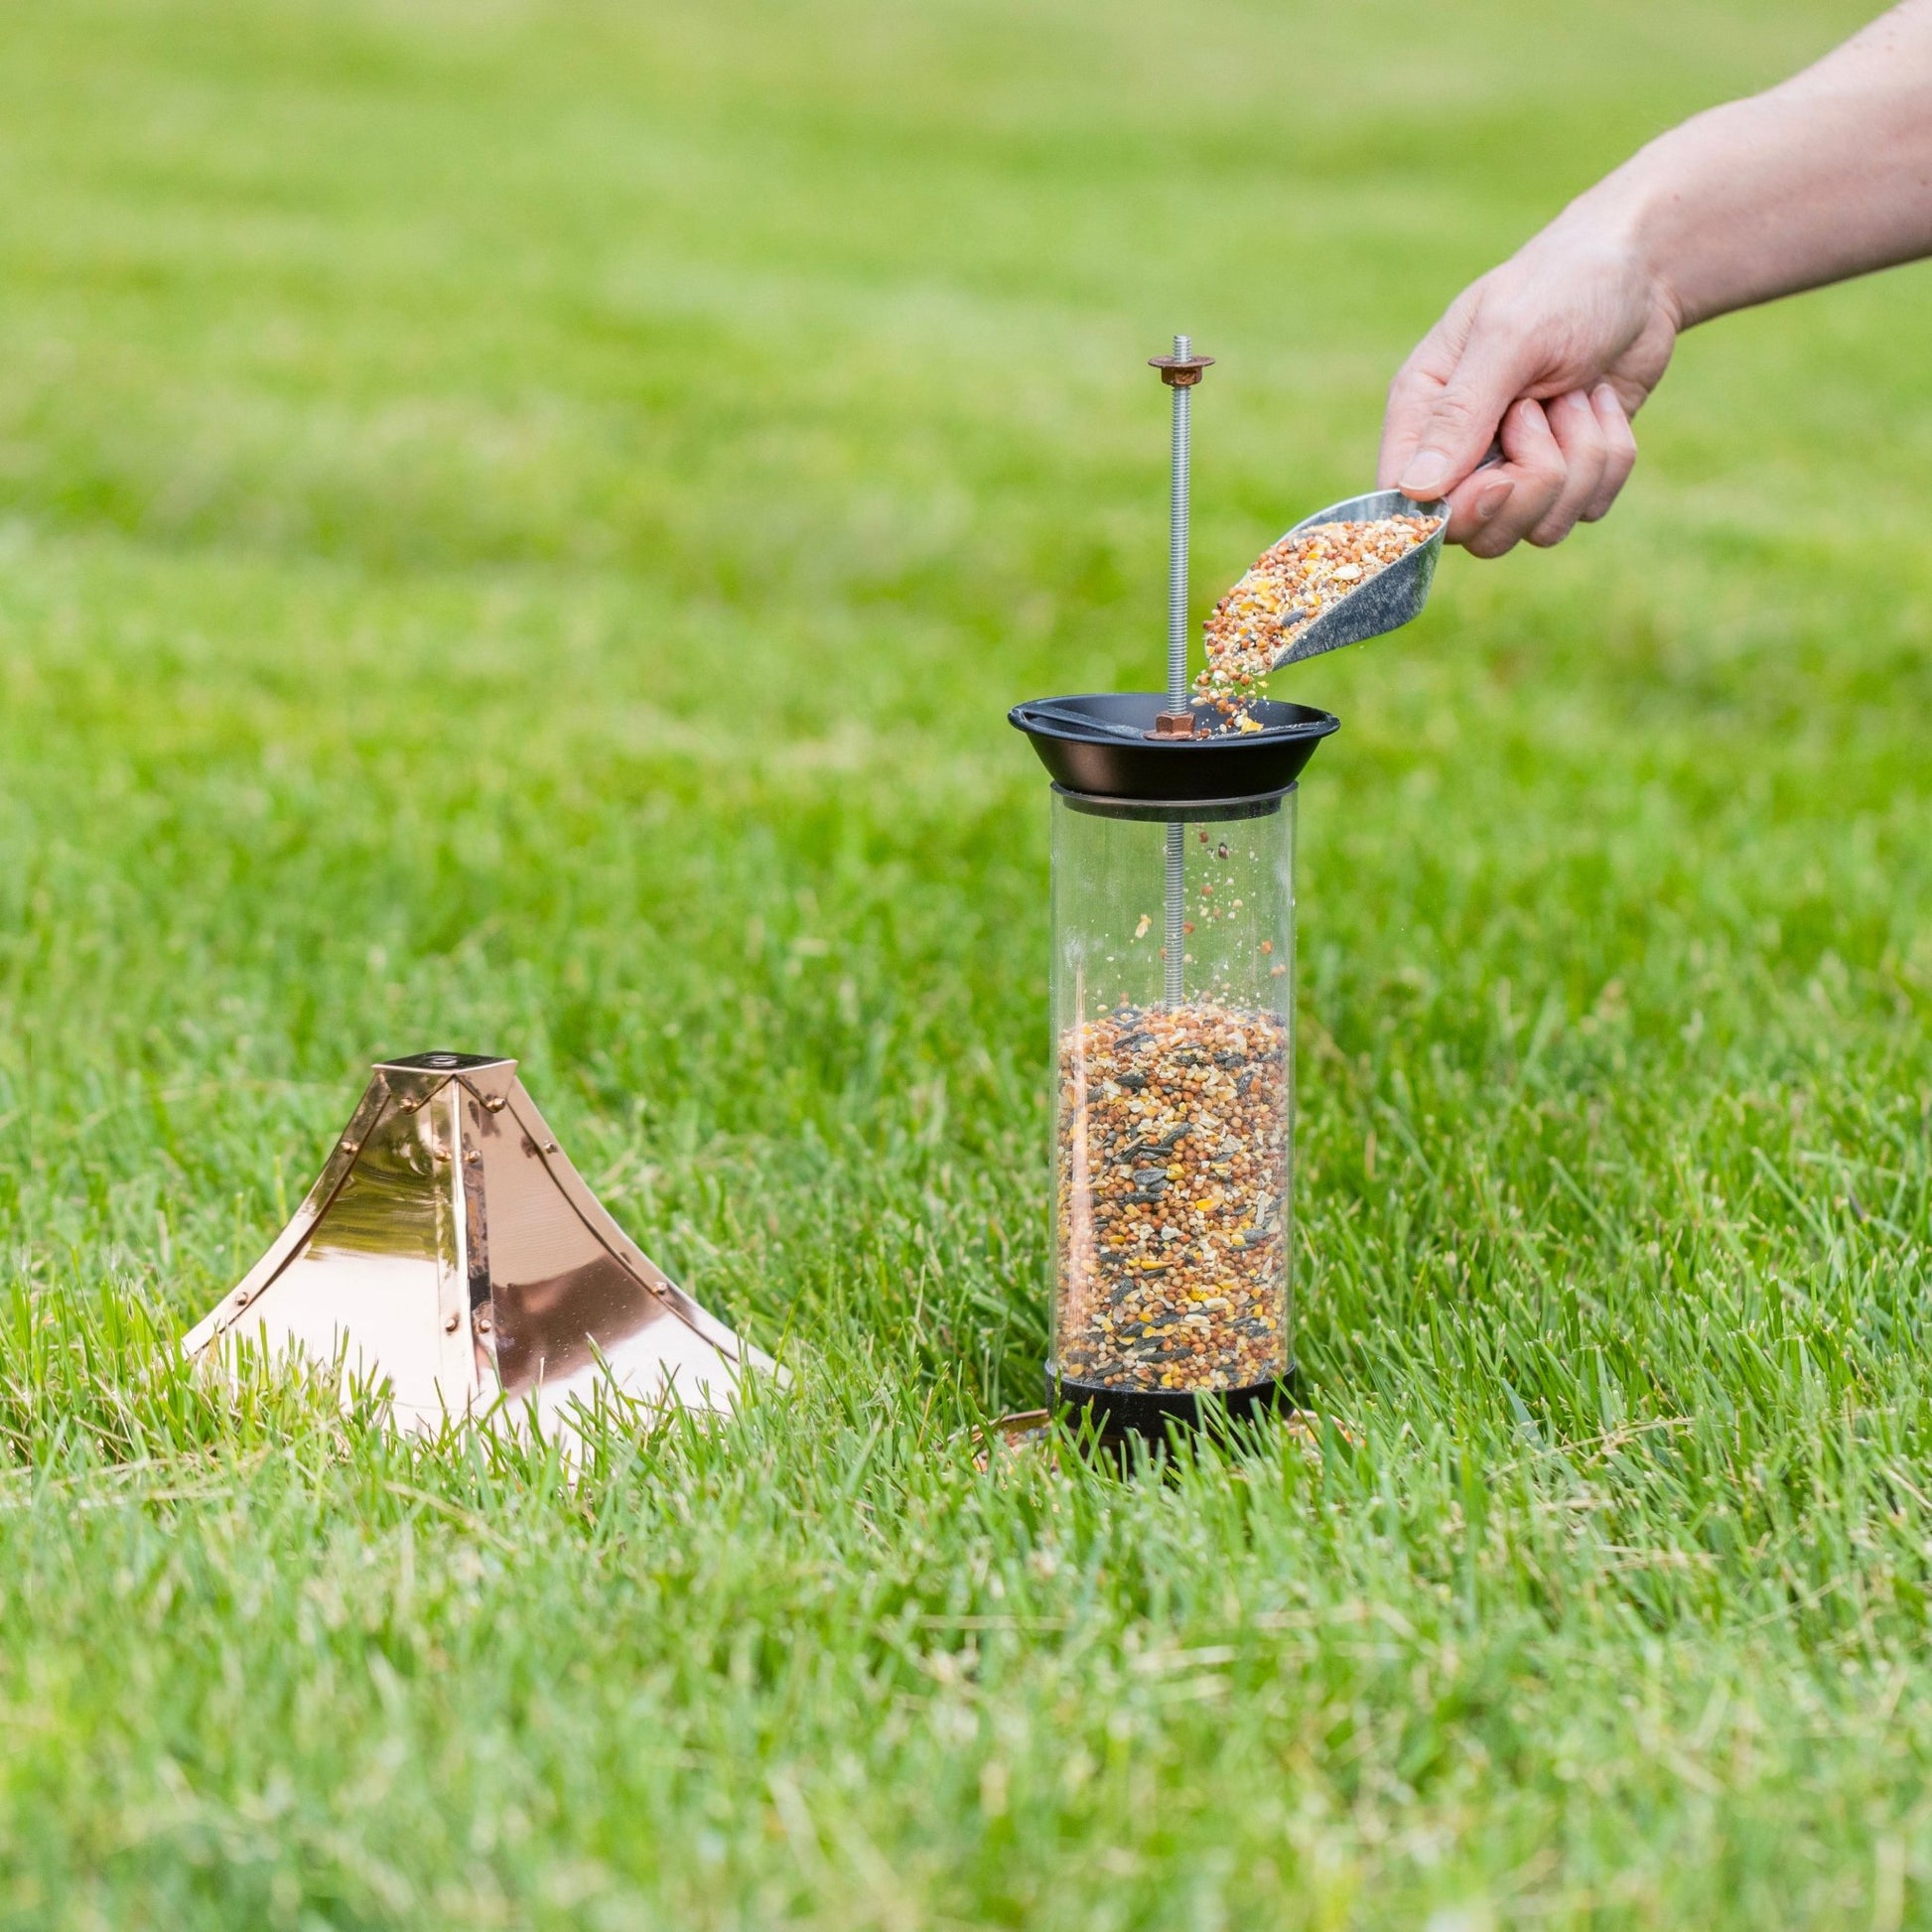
{"type": "Point", "coordinates": [1488, 376]}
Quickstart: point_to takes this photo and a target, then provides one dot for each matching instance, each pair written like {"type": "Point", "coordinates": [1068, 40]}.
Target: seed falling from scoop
{"type": "Point", "coordinates": [1287, 587]}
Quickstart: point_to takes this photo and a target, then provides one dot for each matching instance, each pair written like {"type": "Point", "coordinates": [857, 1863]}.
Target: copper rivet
{"type": "Point", "coordinates": [495, 1103]}
{"type": "Point", "coordinates": [473, 1157]}
{"type": "Point", "coordinates": [450, 1326]}
{"type": "Point", "coordinates": [242, 1299]}
{"type": "Point", "coordinates": [550, 1147]}
{"type": "Point", "coordinates": [351, 1146]}
{"type": "Point", "coordinates": [410, 1105]}
{"type": "Point", "coordinates": [483, 1325]}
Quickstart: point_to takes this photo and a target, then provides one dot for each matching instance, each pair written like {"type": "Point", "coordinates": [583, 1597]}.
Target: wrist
{"type": "Point", "coordinates": [1629, 227]}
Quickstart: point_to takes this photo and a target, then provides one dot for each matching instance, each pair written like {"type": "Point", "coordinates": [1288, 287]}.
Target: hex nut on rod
{"type": "Point", "coordinates": [1180, 371]}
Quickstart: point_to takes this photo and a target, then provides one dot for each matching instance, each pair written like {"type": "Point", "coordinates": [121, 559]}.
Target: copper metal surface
{"type": "Point", "coordinates": [1181, 370]}
{"type": "Point", "coordinates": [450, 1254]}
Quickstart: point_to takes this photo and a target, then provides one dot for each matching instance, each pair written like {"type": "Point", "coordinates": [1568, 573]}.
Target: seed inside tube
{"type": "Point", "coordinates": [1208, 1312]}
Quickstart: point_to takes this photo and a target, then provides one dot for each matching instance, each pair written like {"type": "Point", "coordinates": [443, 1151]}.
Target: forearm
{"type": "Point", "coordinates": [1554, 350]}
{"type": "Point", "coordinates": [1827, 176]}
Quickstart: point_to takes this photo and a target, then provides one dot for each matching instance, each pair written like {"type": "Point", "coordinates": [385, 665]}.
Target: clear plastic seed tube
{"type": "Point", "coordinates": [1173, 1124]}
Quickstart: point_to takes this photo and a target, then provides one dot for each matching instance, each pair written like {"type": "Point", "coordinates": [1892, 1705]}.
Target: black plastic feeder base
{"type": "Point", "coordinates": [1148, 1412]}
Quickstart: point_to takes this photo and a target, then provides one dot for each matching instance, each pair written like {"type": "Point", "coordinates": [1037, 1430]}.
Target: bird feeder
{"type": "Point", "coordinates": [1173, 1015]}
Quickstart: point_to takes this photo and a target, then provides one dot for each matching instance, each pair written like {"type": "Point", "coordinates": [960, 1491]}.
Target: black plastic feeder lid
{"type": "Point", "coordinates": [1103, 748]}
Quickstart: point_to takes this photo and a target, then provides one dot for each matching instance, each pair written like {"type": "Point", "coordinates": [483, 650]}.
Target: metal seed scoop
{"type": "Point", "coordinates": [1385, 601]}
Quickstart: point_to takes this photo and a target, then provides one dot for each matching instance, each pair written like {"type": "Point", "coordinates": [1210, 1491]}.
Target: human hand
{"type": "Point", "coordinates": [1552, 354]}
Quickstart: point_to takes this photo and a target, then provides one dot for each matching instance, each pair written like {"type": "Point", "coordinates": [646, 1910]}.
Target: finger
{"type": "Point", "coordinates": [1416, 387]}
{"type": "Point", "coordinates": [1491, 369]}
{"type": "Point", "coordinates": [1476, 501]}
{"type": "Point", "coordinates": [1534, 467]}
{"type": "Point", "coordinates": [1620, 446]}
{"type": "Point", "coordinates": [1411, 401]}
{"type": "Point", "coordinates": [1579, 436]}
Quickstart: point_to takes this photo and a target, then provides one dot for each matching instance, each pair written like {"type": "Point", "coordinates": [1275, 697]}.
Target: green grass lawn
{"type": "Point", "coordinates": [518, 526]}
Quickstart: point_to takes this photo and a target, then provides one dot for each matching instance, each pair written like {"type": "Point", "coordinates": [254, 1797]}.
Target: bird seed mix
{"type": "Point", "coordinates": [1172, 1186]}
{"type": "Point", "coordinates": [1283, 592]}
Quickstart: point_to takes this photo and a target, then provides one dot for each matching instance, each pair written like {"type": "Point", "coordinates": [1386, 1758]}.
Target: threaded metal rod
{"type": "Point", "coordinates": [1177, 893]}
{"type": "Point", "coordinates": [1178, 544]}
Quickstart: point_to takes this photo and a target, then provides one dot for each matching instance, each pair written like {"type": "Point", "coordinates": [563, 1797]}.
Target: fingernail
{"type": "Point", "coordinates": [1489, 501]}
{"type": "Point", "coordinates": [1426, 474]}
